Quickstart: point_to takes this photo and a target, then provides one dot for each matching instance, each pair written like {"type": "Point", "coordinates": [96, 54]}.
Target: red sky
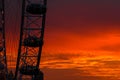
{"type": "Point", "coordinates": [76, 25]}
{"type": "Point", "coordinates": [72, 25]}
{"type": "Point", "coordinates": [75, 31]}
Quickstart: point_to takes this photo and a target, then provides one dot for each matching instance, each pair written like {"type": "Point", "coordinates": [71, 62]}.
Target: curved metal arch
{"type": "Point", "coordinates": [31, 38]}
{"type": "Point", "coordinates": [3, 59]}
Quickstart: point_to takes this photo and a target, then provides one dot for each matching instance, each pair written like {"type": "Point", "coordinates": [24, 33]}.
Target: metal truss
{"type": "Point", "coordinates": [3, 60]}
{"type": "Point", "coordinates": [31, 38]}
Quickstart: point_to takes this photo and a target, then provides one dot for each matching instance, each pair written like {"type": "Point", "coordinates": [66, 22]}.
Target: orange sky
{"type": "Point", "coordinates": [80, 36]}
{"type": "Point", "coordinates": [75, 43]}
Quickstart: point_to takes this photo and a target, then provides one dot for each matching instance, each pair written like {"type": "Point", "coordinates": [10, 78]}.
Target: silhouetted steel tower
{"type": "Point", "coordinates": [31, 39]}
{"type": "Point", "coordinates": [3, 61]}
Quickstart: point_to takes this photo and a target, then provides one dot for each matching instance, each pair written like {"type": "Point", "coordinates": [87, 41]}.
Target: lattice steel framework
{"type": "Point", "coordinates": [3, 60]}
{"type": "Point", "coordinates": [31, 38]}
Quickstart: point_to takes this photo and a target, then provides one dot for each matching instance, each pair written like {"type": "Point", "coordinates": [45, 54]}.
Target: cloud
{"type": "Point", "coordinates": [78, 67]}
{"type": "Point", "coordinates": [70, 74]}
{"type": "Point", "coordinates": [113, 47]}
{"type": "Point", "coordinates": [115, 64]}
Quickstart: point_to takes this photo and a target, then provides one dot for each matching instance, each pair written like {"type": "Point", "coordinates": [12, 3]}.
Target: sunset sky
{"type": "Point", "coordinates": [82, 38]}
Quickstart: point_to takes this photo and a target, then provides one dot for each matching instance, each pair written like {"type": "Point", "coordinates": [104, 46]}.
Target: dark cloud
{"type": "Point", "coordinates": [70, 74]}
